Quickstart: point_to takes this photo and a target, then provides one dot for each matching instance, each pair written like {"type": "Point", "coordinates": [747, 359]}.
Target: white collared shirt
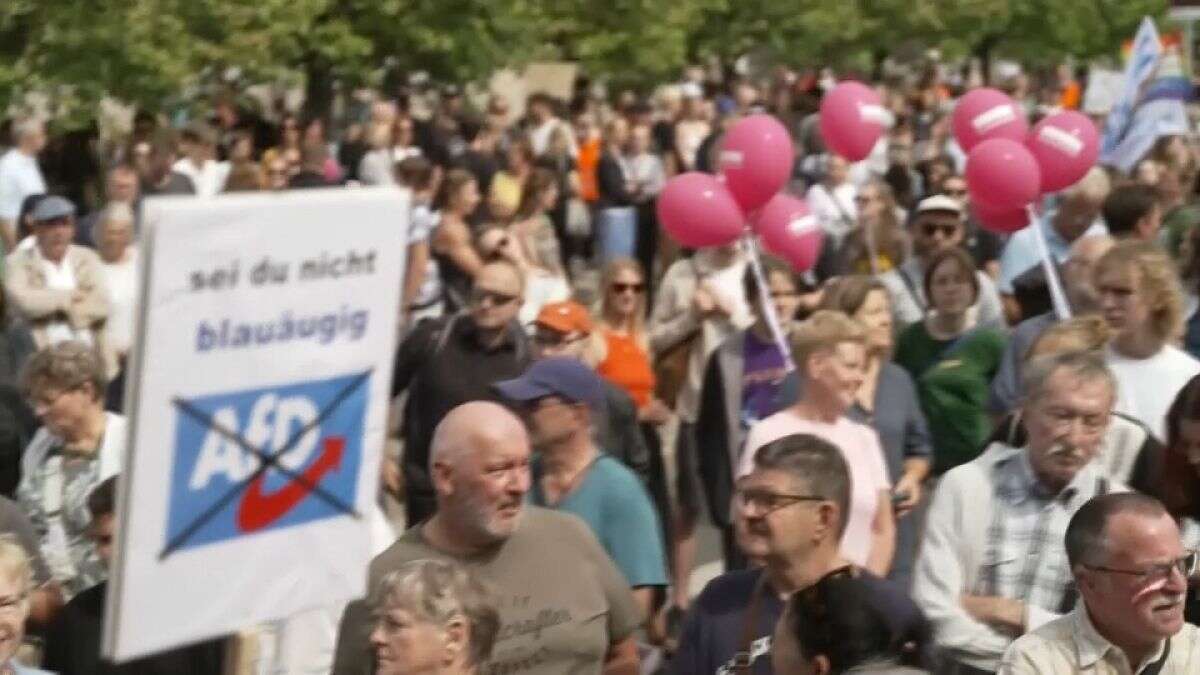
{"type": "Point", "coordinates": [1071, 644]}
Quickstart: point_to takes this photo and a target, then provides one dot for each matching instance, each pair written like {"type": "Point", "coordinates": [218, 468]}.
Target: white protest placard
{"type": "Point", "coordinates": [257, 403]}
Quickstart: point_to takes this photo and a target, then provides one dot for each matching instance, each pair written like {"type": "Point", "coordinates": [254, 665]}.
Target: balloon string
{"type": "Point", "coordinates": [768, 307]}
{"type": "Point", "coordinates": [1061, 306]}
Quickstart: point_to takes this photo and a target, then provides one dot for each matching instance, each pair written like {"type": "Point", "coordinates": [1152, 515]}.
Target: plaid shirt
{"type": "Point", "coordinates": [1025, 557]}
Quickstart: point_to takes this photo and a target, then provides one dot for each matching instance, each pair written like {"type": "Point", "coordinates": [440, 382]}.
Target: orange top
{"type": "Point", "coordinates": [1071, 95]}
{"type": "Point", "coordinates": [589, 160]}
{"type": "Point", "coordinates": [628, 366]}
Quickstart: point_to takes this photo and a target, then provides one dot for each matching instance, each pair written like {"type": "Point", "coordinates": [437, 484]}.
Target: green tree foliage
{"type": "Point", "coordinates": [149, 51]}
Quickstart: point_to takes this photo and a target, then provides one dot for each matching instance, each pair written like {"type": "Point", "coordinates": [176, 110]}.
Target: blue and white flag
{"type": "Point", "coordinates": [1151, 102]}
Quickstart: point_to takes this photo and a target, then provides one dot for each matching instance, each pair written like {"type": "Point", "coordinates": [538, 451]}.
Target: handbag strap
{"type": "Point", "coordinates": [743, 659]}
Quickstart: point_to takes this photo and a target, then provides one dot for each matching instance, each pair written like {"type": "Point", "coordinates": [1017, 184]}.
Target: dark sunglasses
{"type": "Point", "coordinates": [627, 288]}
{"type": "Point", "coordinates": [549, 338]}
{"type": "Point", "coordinates": [932, 229]}
{"type": "Point", "coordinates": [955, 193]}
{"type": "Point", "coordinates": [478, 296]}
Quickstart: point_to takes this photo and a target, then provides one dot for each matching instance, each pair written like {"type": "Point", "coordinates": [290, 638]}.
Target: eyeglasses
{"type": "Point", "coordinates": [1185, 565]}
{"type": "Point", "coordinates": [619, 288]}
{"type": "Point", "coordinates": [932, 229]}
{"type": "Point", "coordinates": [494, 298]}
{"type": "Point", "coordinates": [766, 502]}
{"type": "Point", "coordinates": [962, 192]}
{"type": "Point", "coordinates": [864, 199]}
{"type": "Point", "coordinates": [1062, 417]}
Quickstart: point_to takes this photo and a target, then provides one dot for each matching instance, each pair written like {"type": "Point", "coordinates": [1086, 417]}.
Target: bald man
{"type": "Point", "coordinates": [564, 607]}
{"type": "Point", "coordinates": [1081, 294]}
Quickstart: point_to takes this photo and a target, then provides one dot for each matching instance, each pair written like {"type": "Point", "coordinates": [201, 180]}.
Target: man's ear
{"type": "Point", "coordinates": [455, 640]}
{"type": "Point", "coordinates": [442, 474]}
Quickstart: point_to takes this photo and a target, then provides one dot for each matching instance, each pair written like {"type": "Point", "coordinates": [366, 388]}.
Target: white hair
{"type": "Point", "coordinates": [114, 212]}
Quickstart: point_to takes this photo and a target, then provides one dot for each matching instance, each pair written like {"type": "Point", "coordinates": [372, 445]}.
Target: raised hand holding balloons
{"type": "Point", "coordinates": [1065, 146]}
{"type": "Point", "coordinates": [789, 231]}
{"type": "Point", "coordinates": [852, 120]}
{"type": "Point", "coordinates": [756, 159]}
{"type": "Point", "coordinates": [983, 114]}
{"type": "Point", "coordinates": [697, 210]}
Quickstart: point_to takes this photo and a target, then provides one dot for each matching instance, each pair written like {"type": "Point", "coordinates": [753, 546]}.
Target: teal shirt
{"type": "Point", "coordinates": [616, 508]}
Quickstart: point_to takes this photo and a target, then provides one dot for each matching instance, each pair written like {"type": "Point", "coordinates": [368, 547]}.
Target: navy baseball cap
{"type": "Point", "coordinates": [560, 376]}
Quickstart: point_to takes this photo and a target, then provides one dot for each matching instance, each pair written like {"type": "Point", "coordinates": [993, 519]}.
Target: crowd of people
{"type": "Point", "coordinates": [914, 463]}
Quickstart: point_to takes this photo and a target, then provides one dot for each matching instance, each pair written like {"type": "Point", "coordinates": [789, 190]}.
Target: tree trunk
{"type": "Point", "coordinates": [983, 52]}
{"type": "Point", "coordinates": [318, 90]}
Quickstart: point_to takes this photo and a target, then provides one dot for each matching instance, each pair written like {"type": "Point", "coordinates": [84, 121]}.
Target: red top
{"type": "Point", "coordinates": [627, 365]}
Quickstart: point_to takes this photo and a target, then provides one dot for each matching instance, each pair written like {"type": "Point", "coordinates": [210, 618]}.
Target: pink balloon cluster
{"type": "Point", "coordinates": [756, 157]}
{"type": "Point", "coordinates": [1009, 166]}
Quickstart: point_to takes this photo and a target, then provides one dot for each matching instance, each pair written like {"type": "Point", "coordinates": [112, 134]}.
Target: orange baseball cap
{"type": "Point", "coordinates": [567, 316]}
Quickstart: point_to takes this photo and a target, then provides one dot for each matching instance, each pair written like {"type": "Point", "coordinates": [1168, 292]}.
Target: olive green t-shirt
{"type": "Point", "coordinates": [562, 602]}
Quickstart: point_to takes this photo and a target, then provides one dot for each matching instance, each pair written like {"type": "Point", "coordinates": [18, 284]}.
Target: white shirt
{"type": "Point", "coordinates": [834, 208]}
{"type": "Point", "coordinates": [208, 179]}
{"type": "Point", "coordinates": [539, 137]}
{"type": "Point", "coordinates": [19, 178]}
{"type": "Point", "coordinates": [122, 281]}
{"type": "Point", "coordinates": [1071, 644]}
{"type": "Point", "coordinates": [1147, 387]}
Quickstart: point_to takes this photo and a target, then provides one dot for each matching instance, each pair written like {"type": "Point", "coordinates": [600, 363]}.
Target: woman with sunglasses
{"type": "Point", "coordinates": [877, 243]}
{"type": "Point", "coordinates": [623, 326]}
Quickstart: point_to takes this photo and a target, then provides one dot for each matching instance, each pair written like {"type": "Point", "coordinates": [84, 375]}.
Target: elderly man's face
{"type": "Point", "coordinates": [771, 519]}
{"type": "Point", "coordinates": [489, 484]}
{"type": "Point", "coordinates": [54, 236]}
{"type": "Point", "coordinates": [14, 608]}
{"type": "Point", "coordinates": [1135, 593]}
{"type": "Point", "coordinates": [405, 644]}
{"type": "Point", "coordinates": [114, 237]}
{"type": "Point", "coordinates": [62, 410]}
{"type": "Point", "coordinates": [1066, 425]}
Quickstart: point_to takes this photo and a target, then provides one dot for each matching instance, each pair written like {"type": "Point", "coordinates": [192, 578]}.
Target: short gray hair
{"type": "Point", "coordinates": [1085, 365]}
{"type": "Point", "coordinates": [1086, 539]}
{"type": "Point", "coordinates": [15, 563]}
{"type": "Point", "coordinates": [66, 365]}
{"type": "Point", "coordinates": [114, 212]}
{"type": "Point", "coordinates": [437, 592]}
{"type": "Point", "coordinates": [816, 462]}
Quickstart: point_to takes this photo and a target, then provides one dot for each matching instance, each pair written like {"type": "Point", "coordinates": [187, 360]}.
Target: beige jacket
{"type": "Point", "coordinates": [25, 285]}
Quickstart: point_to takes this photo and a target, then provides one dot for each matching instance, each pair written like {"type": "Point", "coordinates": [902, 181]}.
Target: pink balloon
{"type": "Point", "coordinates": [789, 231]}
{"type": "Point", "coordinates": [852, 120]}
{"type": "Point", "coordinates": [698, 211]}
{"type": "Point", "coordinates": [756, 159]}
{"type": "Point", "coordinates": [1065, 146]}
{"type": "Point", "coordinates": [986, 113]}
{"type": "Point", "coordinates": [1002, 221]}
{"type": "Point", "coordinates": [1002, 175]}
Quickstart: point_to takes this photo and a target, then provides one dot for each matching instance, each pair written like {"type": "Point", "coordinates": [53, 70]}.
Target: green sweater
{"type": "Point", "coordinates": [952, 379]}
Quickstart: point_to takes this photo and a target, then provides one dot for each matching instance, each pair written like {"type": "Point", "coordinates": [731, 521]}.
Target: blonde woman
{"type": "Point", "coordinates": [623, 327]}
{"type": "Point", "coordinates": [1142, 301]}
{"type": "Point", "coordinates": [433, 618]}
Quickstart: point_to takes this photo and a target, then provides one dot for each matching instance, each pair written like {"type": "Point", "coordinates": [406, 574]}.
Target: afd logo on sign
{"type": "Point", "coordinates": [265, 459]}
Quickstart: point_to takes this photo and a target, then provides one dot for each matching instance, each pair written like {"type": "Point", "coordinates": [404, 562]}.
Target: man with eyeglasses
{"type": "Point", "coordinates": [1132, 574]}
{"type": "Point", "coordinates": [789, 515]}
{"type": "Point", "coordinates": [936, 226]}
{"type": "Point", "coordinates": [992, 566]}
{"type": "Point", "coordinates": [445, 362]}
